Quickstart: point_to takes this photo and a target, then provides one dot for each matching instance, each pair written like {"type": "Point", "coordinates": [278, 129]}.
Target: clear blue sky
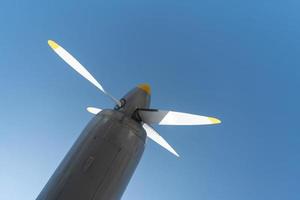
{"type": "Point", "coordinates": [235, 60]}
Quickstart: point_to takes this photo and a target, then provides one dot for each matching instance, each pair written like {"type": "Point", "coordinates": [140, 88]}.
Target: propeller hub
{"type": "Point", "coordinates": [138, 97]}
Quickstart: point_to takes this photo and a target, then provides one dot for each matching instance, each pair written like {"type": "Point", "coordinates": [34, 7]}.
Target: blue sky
{"type": "Point", "coordinates": [235, 60]}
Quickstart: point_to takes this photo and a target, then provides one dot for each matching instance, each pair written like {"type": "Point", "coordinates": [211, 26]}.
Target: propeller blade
{"type": "Point", "coordinates": [68, 58]}
{"type": "Point", "coordinates": [163, 117]}
{"type": "Point", "coordinates": [93, 110]}
{"type": "Point", "coordinates": [153, 135]}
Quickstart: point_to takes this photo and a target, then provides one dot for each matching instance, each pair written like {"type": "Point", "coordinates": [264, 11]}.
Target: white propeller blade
{"type": "Point", "coordinates": [152, 134]}
{"type": "Point", "coordinates": [93, 110]}
{"type": "Point", "coordinates": [68, 58]}
{"type": "Point", "coordinates": [162, 117]}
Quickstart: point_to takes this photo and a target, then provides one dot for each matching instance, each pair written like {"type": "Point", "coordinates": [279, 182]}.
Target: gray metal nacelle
{"type": "Point", "coordinates": [104, 157]}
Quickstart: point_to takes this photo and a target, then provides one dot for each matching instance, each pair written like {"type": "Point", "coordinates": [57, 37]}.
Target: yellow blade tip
{"type": "Point", "coordinates": [146, 87]}
{"type": "Point", "coordinates": [53, 44]}
{"type": "Point", "coordinates": [214, 120]}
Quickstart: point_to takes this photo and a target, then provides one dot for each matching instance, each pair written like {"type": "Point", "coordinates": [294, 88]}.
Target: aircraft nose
{"type": "Point", "coordinates": [146, 87]}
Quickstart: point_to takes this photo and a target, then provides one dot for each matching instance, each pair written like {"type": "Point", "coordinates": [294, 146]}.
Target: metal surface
{"type": "Point", "coordinates": [104, 157]}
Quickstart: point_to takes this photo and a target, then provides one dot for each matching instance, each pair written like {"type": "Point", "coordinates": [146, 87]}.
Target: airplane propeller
{"type": "Point", "coordinates": [148, 116]}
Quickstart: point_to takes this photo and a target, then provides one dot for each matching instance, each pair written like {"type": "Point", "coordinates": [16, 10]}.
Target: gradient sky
{"type": "Point", "coordinates": [235, 60]}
